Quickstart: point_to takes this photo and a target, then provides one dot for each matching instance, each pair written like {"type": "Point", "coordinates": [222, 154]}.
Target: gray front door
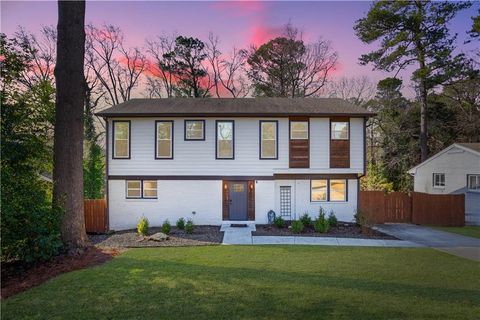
{"type": "Point", "coordinates": [238, 200]}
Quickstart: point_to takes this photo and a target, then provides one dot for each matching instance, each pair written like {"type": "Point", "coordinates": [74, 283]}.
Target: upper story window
{"type": "Point", "coordinates": [268, 139]}
{"type": "Point", "coordinates": [339, 130]}
{"type": "Point", "coordinates": [473, 182]}
{"type": "Point", "coordinates": [164, 139]}
{"type": "Point", "coordinates": [225, 139]}
{"type": "Point", "coordinates": [439, 180]}
{"type": "Point", "coordinates": [195, 130]}
{"type": "Point", "coordinates": [298, 130]}
{"type": "Point", "coordinates": [121, 139]}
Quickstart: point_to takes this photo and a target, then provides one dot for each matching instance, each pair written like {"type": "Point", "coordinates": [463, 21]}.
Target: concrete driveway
{"type": "Point", "coordinates": [455, 244]}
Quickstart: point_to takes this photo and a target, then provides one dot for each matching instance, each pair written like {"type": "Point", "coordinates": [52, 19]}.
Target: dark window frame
{"type": "Point", "coordinates": [141, 189]}
{"type": "Point", "coordinates": [440, 180]}
{"type": "Point", "coordinates": [328, 191]}
{"type": "Point", "coordinates": [216, 139]}
{"type": "Point", "coordinates": [185, 129]}
{"type": "Point", "coordinates": [156, 137]}
{"type": "Point", "coordinates": [260, 139]}
{"type": "Point", "coordinates": [114, 122]}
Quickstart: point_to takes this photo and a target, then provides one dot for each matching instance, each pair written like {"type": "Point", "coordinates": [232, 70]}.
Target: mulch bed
{"type": "Point", "coordinates": [342, 230]}
{"type": "Point", "coordinates": [202, 236]}
{"type": "Point", "coordinates": [17, 277]}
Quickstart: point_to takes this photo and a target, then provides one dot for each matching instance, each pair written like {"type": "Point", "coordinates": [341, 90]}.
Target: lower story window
{"type": "Point", "coordinates": [474, 182]}
{"type": "Point", "coordinates": [328, 190]}
{"type": "Point", "coordinates": [137, 189]}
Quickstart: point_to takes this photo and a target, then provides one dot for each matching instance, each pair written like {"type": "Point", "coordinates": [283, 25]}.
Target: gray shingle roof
{"type": "Point", "coordinates": [235, 107]}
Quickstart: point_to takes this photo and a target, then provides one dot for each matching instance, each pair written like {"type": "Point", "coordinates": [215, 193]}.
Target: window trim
{"type": "Point", "coordinates": [126, 189]}
{"type": "Point", "coordinates": [233, 139]}
{"type": "Point", "coordinates": [444, 180]}
{"type": "Point", "coordinates": [290, 129]}
{"type": "Point", "coordinates": [348, 129]}
{"type": "Point", "coordinates": [185, 130]}
{"type": "Point", "coordinates": [156, 140]}
{"type": "Point", "coordinates": [142, 196]}
{"type": "Point", "coordinates": [143, 189]}
{"type": "Point", "coordinates": [328, 190]}
{"type": "Point", "coordinates": [114, 122]}
{"type": "Point", "coordinates": [260, 140]}
{"type": "Point", "coordinates": [468, 182]}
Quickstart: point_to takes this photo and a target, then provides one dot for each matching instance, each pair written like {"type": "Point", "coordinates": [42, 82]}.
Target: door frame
{"type": "Point", "coordinates": [250, 199]}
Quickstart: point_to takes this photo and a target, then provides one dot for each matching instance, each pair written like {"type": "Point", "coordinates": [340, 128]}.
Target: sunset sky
{"type": "Point", "coordinates": [236, 23]}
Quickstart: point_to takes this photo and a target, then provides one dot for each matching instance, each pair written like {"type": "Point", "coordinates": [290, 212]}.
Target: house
{"type": "Point", "coordinates": [454, 170]}
{"type": "Point", "coordinates": [222, 160]}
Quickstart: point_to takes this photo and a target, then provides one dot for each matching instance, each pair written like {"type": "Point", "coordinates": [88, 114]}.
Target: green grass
{"type": "Point", "coordinates": [276, 282]}
{"type": "Point", "coordinates": [469, 231]}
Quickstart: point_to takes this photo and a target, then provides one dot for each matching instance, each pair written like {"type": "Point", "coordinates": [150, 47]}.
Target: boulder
{"type": "Point", "coordinates": [159, 236]}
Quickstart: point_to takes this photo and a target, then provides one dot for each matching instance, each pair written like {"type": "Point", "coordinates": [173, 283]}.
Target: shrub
{"type": "Point", "coordinates": [181, 224]}
{"type": "Point", "coordinates": [142, 226]}
{"type": "Point", "coordinates": [306, 220]}
{"type": "Point", "coordinates": [361, 219]}
{"type": "Point", "coordinates": [321, 224]}
{"type": "Point", "coordinates": [279, 222]}
{"type": "Point", "coordinates": [297, 226]}
{"type": "Point", "coordinates": [166, 227]}
{"type": "Point", "coordinates": [189, 226]}
{"type": "Point", "coordinates": [332, 219]}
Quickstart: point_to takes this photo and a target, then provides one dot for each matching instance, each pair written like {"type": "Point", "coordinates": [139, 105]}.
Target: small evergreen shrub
{"type": "Point", "coordinates": [306, 220]}
{"type": "Point", "coordinates": [166, 227]}
{"type": "Point", "coordinates": [297, 226]}
{"type": "Point", "coordinates": [279, 222]}
{"type": "Point", "coordinates": [142, 226]}
{"type": "Point", "coordinates": [189, 226]}
{"type": "Point", "coordinates": [181, 224]}
{"type": "Point", "coordinates": [321, 224]}
{"type": "Point", "coordinates": [332, 219]}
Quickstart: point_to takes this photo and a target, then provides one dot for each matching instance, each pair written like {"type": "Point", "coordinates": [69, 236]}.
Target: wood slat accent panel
{"type": "Point", "coordinates": [299, 150]}
{"type": "Point", "coordinates": [251, 201]}
{"type": "Point", "coordinates": [340, 149]}
{"type": "Point", "coordinates": [225, 205]}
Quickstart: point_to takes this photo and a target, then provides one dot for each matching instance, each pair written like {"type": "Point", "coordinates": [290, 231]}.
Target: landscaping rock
{"type": "Point", "coordinates": [159, 236]}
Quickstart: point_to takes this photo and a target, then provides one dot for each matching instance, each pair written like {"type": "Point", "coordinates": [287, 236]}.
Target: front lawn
{"type": "Point", "coordinates": [469, 231]}
{"type": "Point", "coordinates": [267, 282]}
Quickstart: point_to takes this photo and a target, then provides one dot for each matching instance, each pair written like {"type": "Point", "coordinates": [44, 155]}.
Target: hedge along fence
{"type": "Point", "coordinates": [418, 208]}
{"type": "Point", "coordinates": [96, 215]}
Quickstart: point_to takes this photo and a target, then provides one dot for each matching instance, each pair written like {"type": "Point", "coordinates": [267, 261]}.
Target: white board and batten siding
{"type": "Point", "coordinates": [180, 198]}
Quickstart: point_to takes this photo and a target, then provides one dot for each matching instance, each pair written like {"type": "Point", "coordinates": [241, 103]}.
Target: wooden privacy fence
{"type": "Point", "coordinates": [418, 208]}
{"type": "Point", "coordinates": [95, 215]}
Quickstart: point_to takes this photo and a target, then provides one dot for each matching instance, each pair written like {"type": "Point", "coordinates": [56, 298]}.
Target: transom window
{"type": "Point", "coordinates": [339, 130]}
{"type": "Point", "coordinates": [164, 140]}
{"type": "Point", "coordinates": [138, 189]}
{"type": "Point", "coordinates": [194, 129]}
{"type": "Point", "coordinates": [121, 139]}
{"type": "Point", "coordinates": [298, 130]}
{"type": "Point", "coordinates": [268, 139]}
{"type": "Point", "coordinates": [473, 182]}
{"type": "Point", "coordinates": [225, 139]}
{"type": "Point", "coordinates": [328, 190]}
{"type": "Point", "coordinates": [439, 180]}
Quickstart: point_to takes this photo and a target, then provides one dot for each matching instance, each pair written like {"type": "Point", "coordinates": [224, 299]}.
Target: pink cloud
{"type": "Point", "coordinates": [260, 33]}
{"type": "Point", "coordinates": [240, 8]}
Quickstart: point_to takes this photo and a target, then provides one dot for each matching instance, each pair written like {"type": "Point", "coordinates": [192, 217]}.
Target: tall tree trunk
{"type": "Point", "coordinates": [423, 84]}
{"type": "Point", "coordinates": [68, 134]}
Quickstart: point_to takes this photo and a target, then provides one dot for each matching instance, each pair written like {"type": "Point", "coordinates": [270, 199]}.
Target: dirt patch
{"type": "Point", "coordinates": [18, 277]}
{"type": "Point", "coordinates": [342, 230]}
{"type": "Point", "coordinates": [202, 236]}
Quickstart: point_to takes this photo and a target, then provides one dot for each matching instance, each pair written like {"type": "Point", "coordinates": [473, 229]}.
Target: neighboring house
{"type": "Point", "coordinates": [453, 170]}
{"type": "Point", "coordinates": [222, 160]}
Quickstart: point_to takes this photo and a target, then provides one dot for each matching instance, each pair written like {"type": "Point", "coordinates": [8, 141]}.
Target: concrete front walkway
{"type": "Point", "coordinates": [236, 235]}
{"type": "Point", "coordinates": [452, 243]}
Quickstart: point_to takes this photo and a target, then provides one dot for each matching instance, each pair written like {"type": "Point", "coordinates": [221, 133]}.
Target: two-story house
{"type": "Point", "coordinates": [223, 160]}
